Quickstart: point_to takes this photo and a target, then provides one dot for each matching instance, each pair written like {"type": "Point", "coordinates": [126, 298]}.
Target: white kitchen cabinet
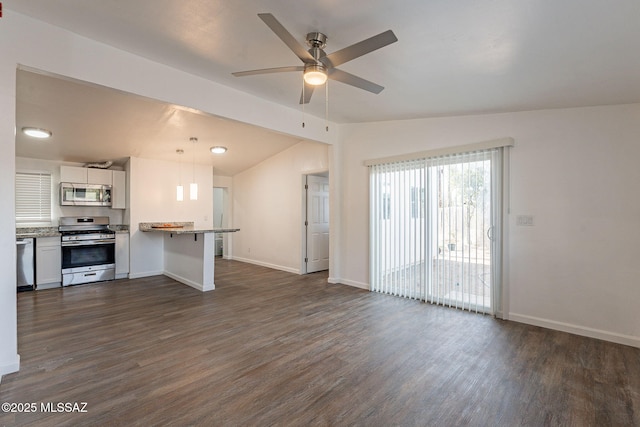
{"type": "Point", "coordinates": [122, 255]}
{"type": "Point", "coordinates": [119, 190]}
{"type": "Point", "coordinates": [86, 175]}
{"type": "Point", "coordinates": [73, 174]}
{"type": "Point", "coordinates": [48, 261]}
{"type": "Point", "coordinates": [99, 176]}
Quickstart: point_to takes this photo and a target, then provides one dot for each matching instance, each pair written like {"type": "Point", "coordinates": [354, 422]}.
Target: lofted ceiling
{"type": "Point", "coordinates": [451, 58]}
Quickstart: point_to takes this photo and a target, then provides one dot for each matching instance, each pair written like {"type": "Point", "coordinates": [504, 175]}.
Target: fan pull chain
{"type": "Point", "coordinates": [303, 100]}
{"type": "Point", "coordinates": [326, 105]}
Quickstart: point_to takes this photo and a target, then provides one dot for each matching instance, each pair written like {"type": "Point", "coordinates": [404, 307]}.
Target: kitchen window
{"type": "Point", "coordinates": [33, 197]}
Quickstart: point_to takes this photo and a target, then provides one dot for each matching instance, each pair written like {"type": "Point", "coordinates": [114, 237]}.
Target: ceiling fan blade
{"type": "Point", "coordinates": [268, 71]}
{"type": "Point", "coordinates": [361, 48]}
{"type": "Point", "coordinates": [287, 38]}
{"type": "Point", "coordinates": [308, 91]}
{"type": "Point", "coordinates": [350, 79]}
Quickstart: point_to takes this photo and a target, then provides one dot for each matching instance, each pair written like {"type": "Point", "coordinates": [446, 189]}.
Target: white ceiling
{"type": "Point", "coordinates": [452, 57]}
{"type": "Point", "coordinates": [92, 123]}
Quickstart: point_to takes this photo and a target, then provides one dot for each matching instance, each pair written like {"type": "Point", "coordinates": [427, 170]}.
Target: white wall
{"type": "Point", "coordinates": [267, 206]}
{"type": "Point", "coordinates": [9, 358]}
{"type": "Point", "coordinates": [27, 42]}
{"type": "Point", "coordinates": [153, 199]}
{"type": "Point", "coordinates": [27, 164]}
{"type": "Point", "coordinates": [574, 170]}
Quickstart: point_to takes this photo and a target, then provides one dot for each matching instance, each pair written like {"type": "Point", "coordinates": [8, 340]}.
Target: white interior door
{"type": "Point", "coordinates": [317, 223]}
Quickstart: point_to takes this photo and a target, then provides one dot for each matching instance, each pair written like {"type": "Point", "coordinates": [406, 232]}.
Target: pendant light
{"type": "Point", "coordinates": [179, 187]}
{"type": "Point", "coordinates": [193, 187]}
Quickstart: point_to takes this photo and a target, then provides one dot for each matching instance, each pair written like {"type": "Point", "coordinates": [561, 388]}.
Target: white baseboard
{"type": "Point", "coordinates": [268, 265]}
{"type": "Point", "coordinates": [145, 274]}
{"type": "Point", "coordinates": [186, 281]}
{"type": "Point", "coordinates": [347, 282]}
{"type": "Point", "coordinates": [11, 367]}
{"type": "Point", "coordinates": [576, 329]}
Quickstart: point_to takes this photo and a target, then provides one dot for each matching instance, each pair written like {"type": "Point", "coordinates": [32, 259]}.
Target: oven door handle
{"type": "Point", "coordinates": [88, 242]}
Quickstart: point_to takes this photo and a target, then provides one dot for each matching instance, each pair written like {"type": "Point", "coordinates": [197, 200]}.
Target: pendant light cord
{"type": "Point", "coordinates": [194, 162]}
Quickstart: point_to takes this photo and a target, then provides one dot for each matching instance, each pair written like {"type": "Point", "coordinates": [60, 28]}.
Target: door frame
{"type": "Point", "coordinates": [225, 185]}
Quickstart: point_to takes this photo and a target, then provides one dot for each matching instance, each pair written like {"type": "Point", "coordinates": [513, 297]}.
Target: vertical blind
{"type": "Point", "coordinates": [398, 228]}
{"type": "Point", "coordinates": [433, 229]}
{"type": "Point", "coordinates": [33, 197]}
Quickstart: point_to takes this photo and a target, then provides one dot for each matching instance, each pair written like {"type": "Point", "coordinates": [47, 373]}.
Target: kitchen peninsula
{"type": "Point", "coordinates": [188, 251]}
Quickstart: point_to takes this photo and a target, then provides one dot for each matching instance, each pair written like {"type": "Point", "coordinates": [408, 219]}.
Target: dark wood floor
{"type": "Point", "coordinates": [273, 348]}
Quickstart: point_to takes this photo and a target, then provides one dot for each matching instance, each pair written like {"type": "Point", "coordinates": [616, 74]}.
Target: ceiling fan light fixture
{"type": "Point", "coordinates": [37, 132]}
{"type": "Point", "coordinates": [315, 75]}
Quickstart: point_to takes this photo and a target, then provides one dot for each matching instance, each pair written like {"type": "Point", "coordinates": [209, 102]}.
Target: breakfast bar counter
{"type": "Point", "coordinates": [188, 251]}
{"type": "Point", "coordinates": [181, 228]}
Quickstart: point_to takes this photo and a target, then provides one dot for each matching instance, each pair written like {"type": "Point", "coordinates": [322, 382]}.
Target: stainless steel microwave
{"type": "Point", "coordinates": [73, 194]}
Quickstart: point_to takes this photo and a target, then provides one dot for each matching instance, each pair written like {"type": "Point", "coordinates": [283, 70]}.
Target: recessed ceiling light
{"type": "Point", "coordinates": [37, 132]}
{"type": "Point", "coordinates": [218, 149]}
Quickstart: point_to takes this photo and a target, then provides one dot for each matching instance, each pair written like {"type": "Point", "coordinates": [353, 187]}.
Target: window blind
{"type": "Point", "coordinates": [33, 197]}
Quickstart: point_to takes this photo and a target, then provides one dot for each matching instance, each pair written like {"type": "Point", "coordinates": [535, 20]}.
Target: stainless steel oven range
{"type": "Point", "coordinates": [88, 250]}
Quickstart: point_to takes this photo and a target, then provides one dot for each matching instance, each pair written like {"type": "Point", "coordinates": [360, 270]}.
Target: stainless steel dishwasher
{"type": "Point", "coordinates": [26, 264]}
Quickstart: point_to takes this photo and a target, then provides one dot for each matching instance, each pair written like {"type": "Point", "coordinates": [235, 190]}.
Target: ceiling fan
{"type": "Point", "coordinates": [318, 66]}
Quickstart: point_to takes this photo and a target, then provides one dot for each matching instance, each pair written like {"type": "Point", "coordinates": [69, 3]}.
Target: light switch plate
{"type": "Point", "coordinates": [524, 220]}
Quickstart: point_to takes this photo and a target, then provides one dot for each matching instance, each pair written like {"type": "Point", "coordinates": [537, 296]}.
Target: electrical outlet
{"type": "Point", "coordinates": [524, 220]}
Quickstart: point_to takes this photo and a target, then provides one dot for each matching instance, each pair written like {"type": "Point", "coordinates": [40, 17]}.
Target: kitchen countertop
{"type": "Point", "coordinates": [35, 232]}
{"type": "Point", "coordinates": [26, 232]}
{"type": "Point", "coordinates": [181, 228]}
{"type": "Point", "coordinates": [119, 228]}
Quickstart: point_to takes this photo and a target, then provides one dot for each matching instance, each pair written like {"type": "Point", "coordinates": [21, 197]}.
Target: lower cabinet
{"type": "Point", "coordinates": [48, 262]}
{"type": "Point", "coordinates": [122, 255]}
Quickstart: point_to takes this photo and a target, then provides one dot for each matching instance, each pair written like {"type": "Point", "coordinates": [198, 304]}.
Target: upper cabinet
{"type": "Point", "coordinates": [119, 190]}
{"type": "Point", "coordinates": [73, 174]}
{"type": "Point", "coordinates": [117, 179]}
{"type": "Point", "coordinates": [99, 176]}
{"type": "Point", "coordinates": [86, 175]}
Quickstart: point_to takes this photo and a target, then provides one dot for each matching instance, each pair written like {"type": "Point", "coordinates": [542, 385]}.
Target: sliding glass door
{"type": "Point", "coordinates": [461, 224]}
{"type": "Point", "coordinates": [433, 229]}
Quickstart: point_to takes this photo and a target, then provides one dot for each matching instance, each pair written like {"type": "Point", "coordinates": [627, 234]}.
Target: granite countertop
{"type": "Point", "coordinates": [25, 232]}
{"type": "Point", "coordinates": [181, 228]}
{"type": "Point", "coordinates": [119, 228]}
